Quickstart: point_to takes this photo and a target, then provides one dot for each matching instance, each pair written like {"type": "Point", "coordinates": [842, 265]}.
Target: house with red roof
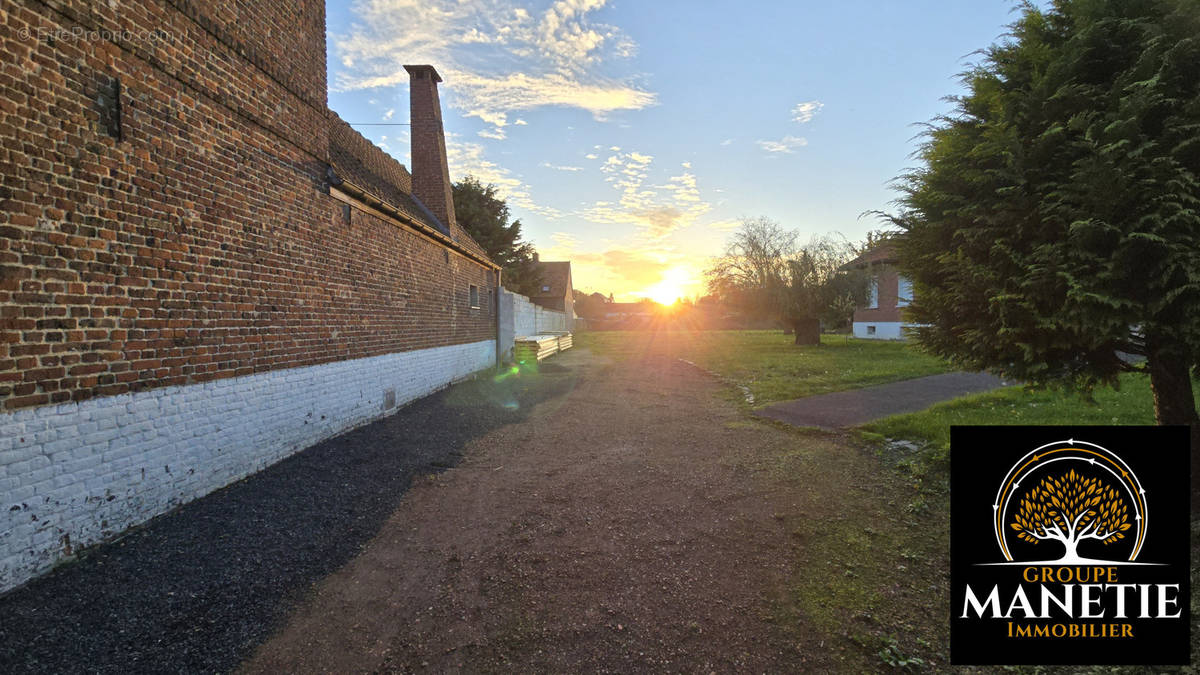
{"type": "Point", "coordinates": [889, 292]}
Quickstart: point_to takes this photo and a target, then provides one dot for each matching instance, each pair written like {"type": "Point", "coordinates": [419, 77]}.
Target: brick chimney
{"type": "Point", "coordinates": [431, 175]}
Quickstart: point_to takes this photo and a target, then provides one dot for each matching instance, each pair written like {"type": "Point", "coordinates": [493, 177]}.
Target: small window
{"type": "Point", "coordinates": [904, 292]}
{"type": "Point", "coordinates": [870, 330]}
{"type": "Point", "coordinates": [345, 213]}
{"type": "Point", "coordinates": [109, 101]}
{"type": "Point", "coordinates": [545, 289]}
{"type": "Point", "coordinates": [873, 294]}
{"type": "Point", "coordinates": [474, 296]}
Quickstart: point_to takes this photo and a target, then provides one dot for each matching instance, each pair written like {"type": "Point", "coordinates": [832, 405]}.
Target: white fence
{"type": "Point", "coordinates": [520, 317]}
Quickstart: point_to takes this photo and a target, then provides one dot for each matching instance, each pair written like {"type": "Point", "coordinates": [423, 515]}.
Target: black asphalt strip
{"type": "Point", "coordinates": [197, 589]}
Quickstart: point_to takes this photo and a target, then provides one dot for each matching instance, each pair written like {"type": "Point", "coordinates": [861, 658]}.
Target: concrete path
{"type": "Point", "coordinates": [859, 406]}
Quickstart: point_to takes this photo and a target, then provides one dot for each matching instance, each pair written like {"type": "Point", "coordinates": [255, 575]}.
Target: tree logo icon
{"type": "Point", "coordinates": [1067, 495]}
{"type": "Point", "coordinates": [1070, 510]}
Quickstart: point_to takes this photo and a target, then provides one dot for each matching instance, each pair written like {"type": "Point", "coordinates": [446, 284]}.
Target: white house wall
{"type": "Point", "coordinates": [884, 330]}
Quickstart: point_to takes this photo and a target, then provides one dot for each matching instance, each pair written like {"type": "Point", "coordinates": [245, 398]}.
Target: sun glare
{"type": "Point", "coordinates": [670, 289]}
{"type": "Point", "coordinates": [664, 296]}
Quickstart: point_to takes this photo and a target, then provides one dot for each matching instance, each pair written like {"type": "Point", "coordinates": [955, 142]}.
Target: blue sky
{"type": "Point", "coordinates": [629, 137]}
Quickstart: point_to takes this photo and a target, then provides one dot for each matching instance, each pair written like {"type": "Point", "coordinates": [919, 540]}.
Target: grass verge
{"type": "Point", "coordinates": [928, 432]}
{"type": "Point", "coordinates": [772, 368]}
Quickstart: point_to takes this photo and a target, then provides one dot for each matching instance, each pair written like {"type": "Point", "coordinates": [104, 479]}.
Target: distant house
{"type": "Point", "coordinates": [889, 293]}
{"type": "Point", "coordinates": [555, 291]}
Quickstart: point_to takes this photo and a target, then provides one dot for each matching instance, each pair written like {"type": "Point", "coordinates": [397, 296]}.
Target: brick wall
{"type": "Point", "coordinates": [190, 244]}
{"type": "Point", "coordinates": [887, 285]}
{"type": "Point", "coordinates": [200, 246]}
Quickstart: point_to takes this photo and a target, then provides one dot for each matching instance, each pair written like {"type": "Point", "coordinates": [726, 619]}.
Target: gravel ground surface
{"type": "Point", "coordinates": [196, 590]}
{"type": "Point", "coordinates": [639, 523]}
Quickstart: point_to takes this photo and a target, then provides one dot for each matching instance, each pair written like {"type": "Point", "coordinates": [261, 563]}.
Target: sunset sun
{"type": "Point", "coordinates": [670, 288]}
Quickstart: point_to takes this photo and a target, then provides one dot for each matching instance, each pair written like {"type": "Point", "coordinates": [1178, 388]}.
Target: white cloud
{"type": "Point", "coordinates": [656, 210]}
{"type": "Point", "coordinates": [727, 141]}
{"type": "Point", "coordinates": [806, 110]}
{"type": "Point", "coordinates": [556, 167]}
{"type": "Point", "coordinates": [787, 144]}
{"type": "Point", "coordinates": [495, 58]}
{"type": "Point", "coordinates": [565, 240]}
{"type": "Point", "coordinates": [467, 159]}
{"type": "Point", "coordinates": [388, 115]}
{"type": "Point", "coordinates": [684, 188]}
{"type": "Point", "coordinates": [520, 122]}
{"type": "Point", "coordinates": [590, 155]}
{"type": "Point", "coordinates": [496, 133]}
{"type": "Point", "coordinates": [563, 36]}
{"type": "Point", "coordinates": [490, 98]}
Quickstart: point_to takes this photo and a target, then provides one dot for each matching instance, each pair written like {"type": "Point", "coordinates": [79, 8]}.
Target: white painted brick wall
{"type": "Point", "coordinates": [75, 474]}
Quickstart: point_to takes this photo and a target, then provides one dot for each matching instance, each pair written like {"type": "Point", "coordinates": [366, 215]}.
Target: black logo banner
{"type": "Point", "coordinates": [1069, 545]}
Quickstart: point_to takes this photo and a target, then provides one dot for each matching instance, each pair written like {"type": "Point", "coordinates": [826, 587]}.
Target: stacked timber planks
{"type": "Point", "coordinates": [534, 348]}
{"type": "Point", "coordinates": [537, 347]}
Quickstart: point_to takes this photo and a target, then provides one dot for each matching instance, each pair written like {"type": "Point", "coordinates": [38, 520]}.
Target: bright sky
{"type": "Point", "coordinates": [628, 136]}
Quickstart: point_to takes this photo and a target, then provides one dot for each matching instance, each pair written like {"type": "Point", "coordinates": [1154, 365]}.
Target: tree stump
{"type": "Point", "coordinates": [808, 331]}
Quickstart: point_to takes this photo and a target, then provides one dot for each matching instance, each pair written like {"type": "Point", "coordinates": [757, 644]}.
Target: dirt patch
{"type": "Point", "coordinates": [638, 522]}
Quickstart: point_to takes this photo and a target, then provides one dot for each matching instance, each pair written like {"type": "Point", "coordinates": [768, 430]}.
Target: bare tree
{"type": "Point", "coordinates": [1070, 509]}
{"type": "Point", "coordinates": [766, 276]}
{"type": "Point", "coordinates": [751, 272]}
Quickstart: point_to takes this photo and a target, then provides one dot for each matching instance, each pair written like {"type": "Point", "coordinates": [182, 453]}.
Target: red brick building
{"type": "Point", "coordinates": [556, 291]}
{"type": "Point", "coordinates": [203, 269]}
{"type": "Point", "coordinates": [889, 293]}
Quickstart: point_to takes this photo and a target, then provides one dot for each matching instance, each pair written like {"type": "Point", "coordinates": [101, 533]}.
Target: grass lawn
{"type": "Point", "coordinates": [929, 429]}
{"type": "Point", "coordinates": [1133, 403]}
{"type": "Point", "coordinates": [773, 369]}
